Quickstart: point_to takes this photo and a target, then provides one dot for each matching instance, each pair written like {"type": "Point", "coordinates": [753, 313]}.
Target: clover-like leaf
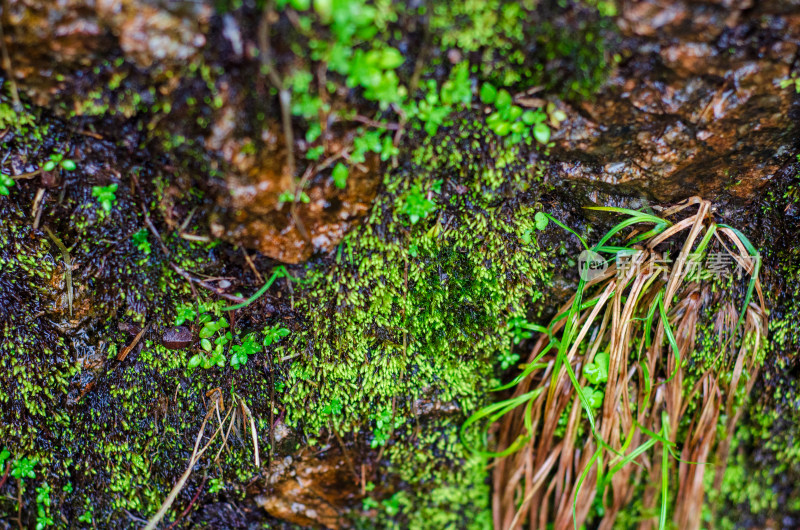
{"type": "Point", "coordinates": [340, 175]}
{"type": "Point", "coordinates": [541, 220]}
{"type": "Point", "coordinates": [597, 371]}
{"type": "Point", "coordinates": [488, 93]}
{"type": "Point", "coordinates": [541, 132]}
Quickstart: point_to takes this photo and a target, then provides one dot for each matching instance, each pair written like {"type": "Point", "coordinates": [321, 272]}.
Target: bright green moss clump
{"type": "Point", "coordinates": [418, 309]}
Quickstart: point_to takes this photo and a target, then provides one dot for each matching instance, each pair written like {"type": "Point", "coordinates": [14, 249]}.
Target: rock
{"type": "Point", "coordinates": [251, 214]}
{"type": "Point", "coordinates": [309, 490]}
{"type": "Point", "coordinates": [695, 110]}
{"type": "Point", "coordinates": [51, 44]}
{"type": "Point", "coordinates": [177, 338]}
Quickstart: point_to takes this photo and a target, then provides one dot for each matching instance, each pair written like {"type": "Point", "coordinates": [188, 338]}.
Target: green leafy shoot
{"type": "Point", "coordinates": [6, 183]}
{"type": "Point", "coordinates": [106, 195]}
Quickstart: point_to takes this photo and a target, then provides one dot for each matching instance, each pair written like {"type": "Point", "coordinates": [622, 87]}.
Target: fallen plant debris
{"type": "Point", "coordinates": [617, 385]}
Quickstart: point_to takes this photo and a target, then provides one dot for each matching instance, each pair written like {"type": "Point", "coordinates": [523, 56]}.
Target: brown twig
{"type": "Point", "coordinates": [124, 353]}
{"type": "Point", "coordinates": [189, 506]}
{"type": "Point", "coordinates": [346, 453]}
{"type": "Point", "coordinates": [205, 285]}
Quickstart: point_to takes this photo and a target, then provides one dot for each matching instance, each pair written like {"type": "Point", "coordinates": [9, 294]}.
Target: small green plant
{"type": "Point", "coordinates": [240, 352]}
{"type": "Point", "coordinates": [216, 485]}
{"type": "Point", "coordinates": [106, 195]}
{"type": "Point", "coordinates": [385, 423]}
{"type": "Point", "coordinates": [508, 359]}
{"type": "Point", "coordinates": [23, 468]}
{"type": "Point", "coordinates": [416, 205]}
{"type": "Point", "coordinates": [596, 372]}
{"type": "Point", "coordinates": [141, 241]}
{"type": "Point", "coordinates": [509, 119]}
{"type": "Point", "coordinates": [213, 353]}
{"type": "Point", "coordinates": [43, 518]}
{"type": "Point", "coordinates": [4, 454]}
{"type": "Point", "coordinates": [274, 334]}
{"type": "Point", "coordinates": [87, 516]}
{"type": "Point", "coordinates": [58, 160]}
{"type": "Point", "coordinates": [288, 196]}
{"type": "Point", "coordinates": [6, 183]}
{"type": "Point", "coordinates": [794, 80]}
{"type": "Point", "coordinates": [333, 408]}
{"type": "Point", "coordinates": [339, 175]}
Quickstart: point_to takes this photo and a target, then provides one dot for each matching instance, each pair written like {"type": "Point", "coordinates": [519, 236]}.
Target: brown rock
{"type": "Point", "coordinates": [695, 110]}
{"type": "Point", "coordinates": [251, 214]}
{"type": "Point", "coordinates": [177, 338]}
{"type": "Point", "coordinates": [309, 490]}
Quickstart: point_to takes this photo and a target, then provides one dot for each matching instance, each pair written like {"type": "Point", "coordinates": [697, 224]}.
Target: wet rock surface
{"type": "Point", "coordinates": [694, 107]}
{"type": "Point", "coordinates": [305, 489]}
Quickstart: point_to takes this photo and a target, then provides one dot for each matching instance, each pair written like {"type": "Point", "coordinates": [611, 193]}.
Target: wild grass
{"type": "Point", "coordinates": [578, 438]}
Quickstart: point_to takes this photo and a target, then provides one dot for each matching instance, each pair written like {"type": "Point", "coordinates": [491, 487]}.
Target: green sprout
{"type": "Point", "coordinates": [416, 205]}
{"type": "Point", "coordinates": [596, 372]}
{"type": "Point", "coordinates": [240, 352]}
{"type": "Point", "coordinates": [141, 242]}
{"type": "Point", "coordinates": [794, 80]}
{"type": "Point", "coordinates": [339, 175]}
{"type": "Point", "coordinates": [87, 516]}
{"type": "Point", "coordinates": [274, 334]}
{"type": "Point", "coordinates": [58, 160]}
{"type": "Point", "coordinates": [105, 195]}
{"type": "Point", "coordinates": [6, 182]}
{"type": "Point", "coordinates": [288, 196]}
{"type": "Point", "coordinates": [43, 520]}
{"type": "Point", "coordinates": [213, 352]}
{"type": "Point", "coordinates": [509, 119]}
{"type": "Point", "coordinates": [23, 468]}
{"type": "Point", "coordinates": [216, 485]}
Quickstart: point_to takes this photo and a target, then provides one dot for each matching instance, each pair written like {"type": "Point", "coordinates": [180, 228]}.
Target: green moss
{"type": "Point", "coordinates": [411, 310]}
{"type": "Point", "coordinates": [447, 491]}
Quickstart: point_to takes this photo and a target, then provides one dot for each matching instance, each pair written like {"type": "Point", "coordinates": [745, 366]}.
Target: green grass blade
{"type": "Point", "coordinates": [579, 484]}
{"type": "Point", "coordinates": [648, 324]}
{"type": "Point", "coordinates": [662, 520]}
{"type": "Point", "coordinates": [753, 277]}
{"type": "Point", "coordinates": [280, 271]}
{"type": "Point", "coordinates": [706, 239]}
{"type": "Point", "coordinates": [568, 229]}
{"type": "Point", "coordinates": [645, 217]}
{"type": "Point", "coordinates": [670, 338]}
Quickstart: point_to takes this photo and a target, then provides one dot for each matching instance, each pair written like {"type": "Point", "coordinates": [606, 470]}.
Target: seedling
{"type": "Point", "coordinates": [6, 183]}
{"type": "Point", "coordinates": [416, 205]}
{"type": "Point", "coordinates": [509, 119]}
{"type": "Point", "coordinates": [23, 468]}
{"type": "Point", "coordinates": [106, 195]}
{"type": "Point", "coordinates": [141, 242]}
{"type": "Point", "coordinates": [794, 80]}
{"type": "Point", "coordinates": [339, 175]}
{"type": "Point", "coordinates": [288, 196]}
{"type": "Point", "coordinates": [213, 351]}
{"type": "Point", "coordinates": [58, 160]}
{"type": "Point", "coordinates": [240, 352]}
{"type": "Point", "coordinates": [43, 518]}
{"type": "Point", "coordinates": [274, 334]}
{"type": "Point", "coordinates": [333, 408]}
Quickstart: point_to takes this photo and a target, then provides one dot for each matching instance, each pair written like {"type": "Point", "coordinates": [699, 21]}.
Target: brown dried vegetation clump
{"type": "Point", "coordinates": [661, 408]}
